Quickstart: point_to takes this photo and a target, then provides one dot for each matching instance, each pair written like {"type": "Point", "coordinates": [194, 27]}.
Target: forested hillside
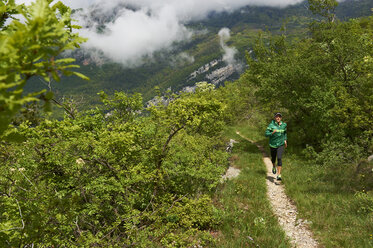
{"type": "Point", "coordinates": [123, 174]}
{"type": "Point", "coordinates": [166, 69]}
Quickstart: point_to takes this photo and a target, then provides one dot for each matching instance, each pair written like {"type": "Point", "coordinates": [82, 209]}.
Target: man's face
{"type": "Point", "coordinates": [278, 118]}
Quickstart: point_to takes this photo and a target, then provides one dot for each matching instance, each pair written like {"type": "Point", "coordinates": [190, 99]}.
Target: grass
{"type": "Point", "coordinates": [325, 197]}
{"type": "Point", "coordinates": [341, 213]}
{"type": "Point", "coordinates": [247, 219]}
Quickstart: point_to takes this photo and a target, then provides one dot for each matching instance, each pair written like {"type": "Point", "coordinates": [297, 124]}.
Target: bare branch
{"type": "Point", "coordinates": [26, 178]}
{"type": "Point", "coordinates": [69, 111]}
{"type": "Point", "coordinates": [76, 223]}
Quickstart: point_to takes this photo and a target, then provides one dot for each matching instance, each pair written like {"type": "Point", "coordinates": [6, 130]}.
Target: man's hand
{"type": "Point", "coordinates": [274, 131]}
{"type": "Point", "coordinates": [286, 143]}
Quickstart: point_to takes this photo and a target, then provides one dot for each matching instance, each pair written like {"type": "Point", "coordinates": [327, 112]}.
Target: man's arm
{"type": "Point", "coordinates": [269, 131]}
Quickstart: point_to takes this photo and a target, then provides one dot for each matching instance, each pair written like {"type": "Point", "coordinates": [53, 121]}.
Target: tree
{"type": "Point", "coordinates": [323, 81]}
{"type": "Point", "coordinates": [31, 48]}
{"type": "Point", "coordinates": [324, 8]}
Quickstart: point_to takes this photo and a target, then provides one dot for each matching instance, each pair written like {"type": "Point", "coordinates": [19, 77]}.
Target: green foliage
{"type": "Point", "coordinates": [337, 152]}
{"type": "Point", "coordinates": [239, 98]}
{"type": "Point", "coordinates": [115, 174]}
{"type": "Point", "coordinates": [30, 48]}
{"type": "Point", "coordinates": [187, 217]}
{"type": "Point", "coordinates": [121, 106]}
{"type": "Point", "coordinates": [324, 82]}
{"type": "Point", "coordinates": [8, 8]}
{"type": "Point", "coordinates": [325, 8]}
{"type": "Point", "coordinates": [364, 203]}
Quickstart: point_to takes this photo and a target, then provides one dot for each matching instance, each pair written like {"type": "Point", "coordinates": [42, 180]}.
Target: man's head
{"type": "Point", "coordinates": [278, 117]}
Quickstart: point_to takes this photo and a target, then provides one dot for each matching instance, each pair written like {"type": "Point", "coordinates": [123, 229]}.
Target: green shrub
{"type": "Point", "coordinates": [364, 202]}
{"type": "Point", "coordinates": [124, 178]}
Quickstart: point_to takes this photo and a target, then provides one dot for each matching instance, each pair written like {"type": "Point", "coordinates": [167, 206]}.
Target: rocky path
{"type": "Point", "coordinates": [296, 229]}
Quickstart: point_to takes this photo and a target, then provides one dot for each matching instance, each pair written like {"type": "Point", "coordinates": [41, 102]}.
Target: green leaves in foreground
{"type": "Point", "coordinates": [115, 175]}
{"type": "Point", "coordinates": [30, 48]}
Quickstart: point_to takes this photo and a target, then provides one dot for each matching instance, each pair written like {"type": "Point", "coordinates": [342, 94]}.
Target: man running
{"type": "Point", "coordinates": [276, 131]}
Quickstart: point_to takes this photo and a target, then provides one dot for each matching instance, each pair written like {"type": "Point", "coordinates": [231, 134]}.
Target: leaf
{"type": "Point", "coordinates": [65, 61]}
{"type": "Point", "coordinates": [12, 135]}
{"type": "Point", "coordinates": [49, 95]}
{"type": "Point", "coordinates": [81, 75]}
{"type": "Point", "coordinates": [55, 76]}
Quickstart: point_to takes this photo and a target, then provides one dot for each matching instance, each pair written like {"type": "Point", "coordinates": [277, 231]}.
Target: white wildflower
{"type": "Point", "coordinates": [80, 161]}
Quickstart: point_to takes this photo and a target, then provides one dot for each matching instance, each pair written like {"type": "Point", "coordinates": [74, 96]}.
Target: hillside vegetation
{"type": "Point", "coordinates": [125, 175]}
{"type": "Point", "coordinates": [164, 70]}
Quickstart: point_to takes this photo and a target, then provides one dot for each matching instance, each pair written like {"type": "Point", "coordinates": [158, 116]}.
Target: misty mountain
{"type": "Point", "coordinates": [190, 60]}
{"type": "Point", "coordinates": [273, 18]}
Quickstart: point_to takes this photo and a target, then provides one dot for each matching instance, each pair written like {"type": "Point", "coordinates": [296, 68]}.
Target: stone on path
{"type": "Point", "coordinates": [231, 173]}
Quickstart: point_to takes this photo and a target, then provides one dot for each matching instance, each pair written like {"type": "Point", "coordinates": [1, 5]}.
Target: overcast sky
{"type": "Point", "coordinates": [154, 25]}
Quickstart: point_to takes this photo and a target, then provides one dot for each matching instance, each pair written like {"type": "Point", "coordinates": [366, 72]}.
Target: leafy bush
{"type": "Point", "coordinates": [125, 177]}
{"type": "Point", "coordinates": [336, 152]}
{"type": "Point", "coordinates": [364, 203]}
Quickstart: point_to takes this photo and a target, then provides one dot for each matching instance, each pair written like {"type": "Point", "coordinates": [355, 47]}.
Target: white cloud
{"type": "Point", "coordinates": [135, 34]}
{"type": "Point", "coordinates": [182, 58]}
{"type": "Point", "coordinates": [229, 52]}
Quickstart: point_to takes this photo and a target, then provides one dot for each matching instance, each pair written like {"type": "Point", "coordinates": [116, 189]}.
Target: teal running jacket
{"type": "Point", "coordinates": [278, 138]}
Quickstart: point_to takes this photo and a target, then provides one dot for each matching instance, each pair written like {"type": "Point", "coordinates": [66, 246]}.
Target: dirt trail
{"type": "Point", "coordinates": [296, 229]}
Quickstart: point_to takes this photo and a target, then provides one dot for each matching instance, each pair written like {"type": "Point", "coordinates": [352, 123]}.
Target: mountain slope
{"type": "Point", "coordinates": [173, 68]}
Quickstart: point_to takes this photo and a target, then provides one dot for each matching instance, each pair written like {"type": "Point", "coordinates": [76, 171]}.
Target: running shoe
{"type": "Point", "coordinates": [279, 178]}
{"type": "Point", "coordinates": [274, 170]}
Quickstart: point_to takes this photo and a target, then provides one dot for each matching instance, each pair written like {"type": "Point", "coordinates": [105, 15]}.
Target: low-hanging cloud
{"type": "Point", "coordinates": [135, 35]}
{"type": "Point", "coordinates": [229, 52]}
{"type": "Point", "coordinates": [131, 30]}
{"type": "Point", "coordinates": [182, 58]}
